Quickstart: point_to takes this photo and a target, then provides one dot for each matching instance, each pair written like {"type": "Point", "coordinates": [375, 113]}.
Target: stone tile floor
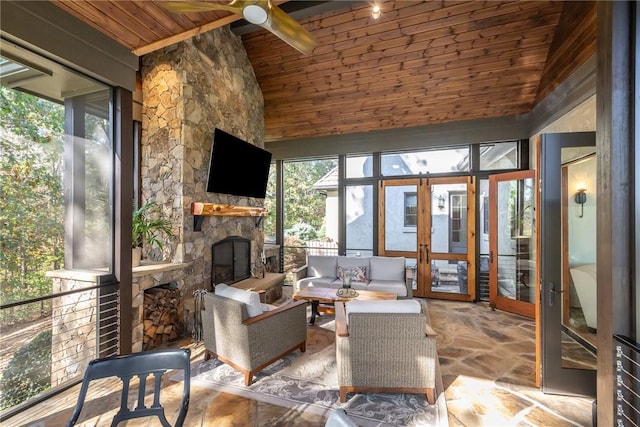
{"type": "Point", "coordinates": [487, 363]}
{"type": "Point", "coordinates": [487, 359]}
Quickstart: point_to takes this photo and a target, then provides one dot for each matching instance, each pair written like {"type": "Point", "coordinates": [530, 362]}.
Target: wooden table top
{"type": "Point", "coordinates": [328, 295]}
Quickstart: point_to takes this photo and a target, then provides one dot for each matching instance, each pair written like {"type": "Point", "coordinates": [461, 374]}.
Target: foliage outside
{"type": "Point", "coordinates": [31, 202]}
{"type": "Point", "coordinates": [28, 373]}
{"type": "Point", "coordinates": [32, 231]}
{"type": "Point", "coordinates": [304, 206]}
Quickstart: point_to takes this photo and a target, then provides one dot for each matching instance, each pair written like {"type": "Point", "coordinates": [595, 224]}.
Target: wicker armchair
{"type": "Point", "coordinates": [250, 344]}
{"type": "Point", "coordinates": [385, 353]}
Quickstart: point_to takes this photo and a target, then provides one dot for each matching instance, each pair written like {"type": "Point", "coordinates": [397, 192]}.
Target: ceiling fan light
{"type": "Point", "coordinates": [254, 14]}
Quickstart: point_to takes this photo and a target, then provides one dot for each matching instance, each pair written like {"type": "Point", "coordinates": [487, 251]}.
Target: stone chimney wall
{"type": "Point", "coordinates": [189, 89]}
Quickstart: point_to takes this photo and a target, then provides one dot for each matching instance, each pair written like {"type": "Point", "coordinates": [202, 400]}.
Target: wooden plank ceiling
{"type": "Point", "coordinates": [420, 63]}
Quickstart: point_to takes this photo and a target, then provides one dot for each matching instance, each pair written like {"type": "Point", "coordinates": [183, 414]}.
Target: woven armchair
{"type": "Point", "coordinates": [250, 344]}
{"type": "Point", "coordinates": [385, 353]}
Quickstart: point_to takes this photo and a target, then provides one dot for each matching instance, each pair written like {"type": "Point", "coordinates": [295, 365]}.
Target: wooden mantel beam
{"type": "Point", "coordinates": [217, 209]}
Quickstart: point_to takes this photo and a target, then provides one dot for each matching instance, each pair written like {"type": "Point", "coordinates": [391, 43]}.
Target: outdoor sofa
{"type": "Point", "coordinates": [374, 273]}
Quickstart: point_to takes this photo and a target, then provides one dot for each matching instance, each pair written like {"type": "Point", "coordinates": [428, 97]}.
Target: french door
{"type": "Point", "coordinates": [512, 281]}
{"type": "Point", "coordinates": [431, 222]}
{"type": "Point", "coordinates": [568, 240]}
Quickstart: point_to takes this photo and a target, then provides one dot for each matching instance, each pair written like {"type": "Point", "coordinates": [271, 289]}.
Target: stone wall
{"type": "Point", "coordinates": [73, 327]}
{"type": "Point", "coordinates": [189, 89]}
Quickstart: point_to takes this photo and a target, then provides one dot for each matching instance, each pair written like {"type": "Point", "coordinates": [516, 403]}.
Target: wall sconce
{"type": "Point", "coordinates": [581, 198]}
{"type": "Point", "coordinates": [441, 201]}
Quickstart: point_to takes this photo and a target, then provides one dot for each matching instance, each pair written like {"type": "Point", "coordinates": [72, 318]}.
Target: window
{"type": "Point", "coordinates": [451, 160]}
{"type": "Point", "coordinates": [57, 214]}
{"type": "Point", "coordinates": [485, 215]}
{"type": "Point", "coordinates": [310, 210]}
{"type": "Point", "coordinates": [359, 219]}
{"type": "Point", "coordinates": [359, 166]}
{"type": "Point", "coordinates": [497, 156]}
{"type": "Point", "coordinates": [458, 222]}
{"type": "Point", "coordinates": [410, 209]}
{"type": "Point", "coordinates": [269, 222]}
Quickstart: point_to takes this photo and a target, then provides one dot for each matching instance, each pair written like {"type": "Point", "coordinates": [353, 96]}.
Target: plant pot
{"type": "Point", "coordinates": [136, 256]}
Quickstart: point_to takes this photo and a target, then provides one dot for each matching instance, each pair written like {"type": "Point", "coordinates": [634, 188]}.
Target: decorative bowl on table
{"type": "Point", "coordinates": [347, 292]}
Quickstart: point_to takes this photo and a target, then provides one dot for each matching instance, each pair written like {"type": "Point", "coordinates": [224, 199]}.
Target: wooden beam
{"type": "Point", "coordinates": [215, 209]}
{"type": "Point", "coordinates": [151, 47]}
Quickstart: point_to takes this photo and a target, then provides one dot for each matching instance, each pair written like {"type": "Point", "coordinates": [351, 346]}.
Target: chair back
{"type": "Point", "coordinates": [140, 365]}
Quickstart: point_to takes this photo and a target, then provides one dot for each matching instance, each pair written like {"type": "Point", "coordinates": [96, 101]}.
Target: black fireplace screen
{"type": "Point", "coordinates": [230, 260]}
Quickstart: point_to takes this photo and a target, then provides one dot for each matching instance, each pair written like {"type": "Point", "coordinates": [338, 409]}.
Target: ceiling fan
{"type": "Point", "coordinates": [259, 12]}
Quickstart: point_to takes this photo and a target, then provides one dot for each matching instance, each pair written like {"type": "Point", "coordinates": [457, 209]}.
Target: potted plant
{"type": "Point", "coordinates": [147, 225]}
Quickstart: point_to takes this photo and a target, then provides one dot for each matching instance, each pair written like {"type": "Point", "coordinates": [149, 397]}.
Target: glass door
{"type": "Point", "coordinates": [398, 222]}
{"type": "Point", "coordinates": [568, 240]}
{"type": "Point", "coordinates": [512, 281]}
{"type": "Point", "coordinates": [431, 221]}
{"type": "Point", "coordinates": [448, 239]}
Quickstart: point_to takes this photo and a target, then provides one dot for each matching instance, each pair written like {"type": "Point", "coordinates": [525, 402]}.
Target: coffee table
{"type": "Point", "coordinates": [319, 296]}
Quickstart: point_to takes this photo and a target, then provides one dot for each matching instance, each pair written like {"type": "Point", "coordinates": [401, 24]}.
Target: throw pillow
{"type": "Point", "coordinates": [250, 298]}
{"type": "Point", "coordinates": [359, 274]}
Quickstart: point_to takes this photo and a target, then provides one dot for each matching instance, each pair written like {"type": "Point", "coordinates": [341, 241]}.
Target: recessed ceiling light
{"type": "Point", "coordinates": [376, 11]}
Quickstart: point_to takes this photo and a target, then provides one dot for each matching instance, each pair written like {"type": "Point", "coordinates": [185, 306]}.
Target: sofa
{"type": "Point", "coordinates": [374, 273]}
{"type": "Point", "coordinates": [385, 347]}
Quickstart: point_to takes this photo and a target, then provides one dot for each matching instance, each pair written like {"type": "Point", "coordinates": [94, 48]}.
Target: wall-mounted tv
{"type": "Point", "coordinates": [237, 167]}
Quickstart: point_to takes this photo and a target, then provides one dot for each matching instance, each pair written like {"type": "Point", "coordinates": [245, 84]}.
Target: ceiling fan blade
{"type": "Point", "coordinates": [288, 29]}
{"type": "Point", "coordinates": [276, 20]}
{"type": "Point", "coordinates": [198, 6]}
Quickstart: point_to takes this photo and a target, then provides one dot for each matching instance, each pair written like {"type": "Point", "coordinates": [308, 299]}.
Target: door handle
{"type": "Point", "coordinates": [426, 252]}
{"type": "Point", "coordinates": [491, 257]}
{"type": "Point", "coordinates": [552, 293]}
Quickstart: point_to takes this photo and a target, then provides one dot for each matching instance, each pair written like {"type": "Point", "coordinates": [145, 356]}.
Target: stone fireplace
{"type": "Point", "coordinates": [189, 89]}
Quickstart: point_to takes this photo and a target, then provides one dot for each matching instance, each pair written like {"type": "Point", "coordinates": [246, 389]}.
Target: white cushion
{"type": "Point", "coordinates": [250, 298]}
{"type": "Point", "coordinates": [386, 268]}
{"type": "Point", "coordinates": [383, 306]}
{"type": "Point", "coordinates": [321, 266]}
{"type": "Point", "coordinates": [268, 307]}
{"type": "Point", "coordinates": [399, 288]}
{"type": "Point", "coordinates": [318, 282]}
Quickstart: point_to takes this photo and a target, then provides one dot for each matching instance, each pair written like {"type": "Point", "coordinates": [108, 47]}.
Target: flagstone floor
{"type": "Point", "coordinates": [487, 363]}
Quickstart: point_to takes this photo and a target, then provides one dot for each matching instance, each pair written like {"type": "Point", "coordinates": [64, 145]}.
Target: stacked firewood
{"type": "Point", "coordinates": [162, 322]}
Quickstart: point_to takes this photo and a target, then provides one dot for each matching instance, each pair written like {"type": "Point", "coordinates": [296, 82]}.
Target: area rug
{"type": "Point", "coordinates": [308, 382]}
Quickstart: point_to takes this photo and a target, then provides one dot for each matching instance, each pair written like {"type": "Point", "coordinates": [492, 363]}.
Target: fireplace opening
{"type": "Point", "coordinates": [230, 260]}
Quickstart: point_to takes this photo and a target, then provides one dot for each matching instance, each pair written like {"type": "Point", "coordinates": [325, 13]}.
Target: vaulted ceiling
{"type": "Point", "coordinates": [420, 63]}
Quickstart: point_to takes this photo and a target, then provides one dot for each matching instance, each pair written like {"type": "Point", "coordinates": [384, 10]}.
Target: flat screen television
{"type": "Point", "coordinates": [237, 167]}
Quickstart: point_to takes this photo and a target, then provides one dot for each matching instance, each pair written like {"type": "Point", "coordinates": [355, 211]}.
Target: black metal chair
{"type": "Point", "coordinates": [139, 365]}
